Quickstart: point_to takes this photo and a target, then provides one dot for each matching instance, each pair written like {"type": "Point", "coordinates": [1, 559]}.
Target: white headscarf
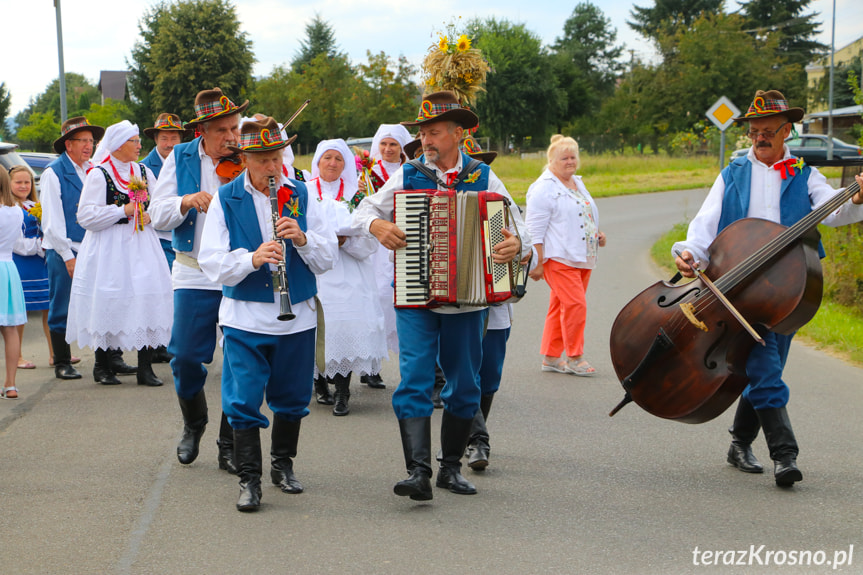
{"type": "Point", "coordinates": [115, 136]}
{"type": "Point", "coordinates": [395, 131]}
{"type": "Point", "coordinates": [349, 173]}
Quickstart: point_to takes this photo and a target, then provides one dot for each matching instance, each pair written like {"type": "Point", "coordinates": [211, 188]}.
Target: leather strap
{"type": "Point", "coordinates": [432, 175]}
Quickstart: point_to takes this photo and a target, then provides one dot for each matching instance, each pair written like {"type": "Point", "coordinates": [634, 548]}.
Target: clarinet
{"type": "Point", "coordinates": [280, 275]}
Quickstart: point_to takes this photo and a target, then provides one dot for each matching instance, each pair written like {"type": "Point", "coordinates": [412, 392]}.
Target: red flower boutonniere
{"type": "Point", "coordinates": [292, 206]}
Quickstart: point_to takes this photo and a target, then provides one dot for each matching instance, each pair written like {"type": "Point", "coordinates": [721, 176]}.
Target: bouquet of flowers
{"type": "Point", "coordinates": [452, 64]}
{"type": "Point", "coordinates": [36, 211]}
{"type": "Point", "coordinates": [138, 195]}
{"type": "Point", "coordinates": [365, 162]}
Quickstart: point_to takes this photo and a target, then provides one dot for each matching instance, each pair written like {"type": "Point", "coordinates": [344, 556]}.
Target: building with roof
{"type": "Point", "coordinates": [112, 84]}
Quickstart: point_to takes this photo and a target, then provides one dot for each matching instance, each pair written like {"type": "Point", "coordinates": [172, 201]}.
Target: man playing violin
{"type": "Point", "coordinates": [770, 184]}
{"type": "Point", "coordinates": [180, 202]}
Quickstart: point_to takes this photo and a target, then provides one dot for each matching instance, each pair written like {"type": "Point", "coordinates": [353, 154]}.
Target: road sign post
{"type": "Point", "coordinates": [722, 114]}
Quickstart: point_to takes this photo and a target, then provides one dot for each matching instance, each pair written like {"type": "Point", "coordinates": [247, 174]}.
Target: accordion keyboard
{"type": "Point", "coordinates": [411, 215]}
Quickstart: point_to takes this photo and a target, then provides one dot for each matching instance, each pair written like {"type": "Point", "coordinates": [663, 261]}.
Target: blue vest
{"type": "Point", "coordinates": [244, 231]}
{"type": "Point", "coordinates": [794, 201]}
{"type": "Point", "coordinates": [70, 194]}
{"type": "Point", "coordinates": [188, 182]}
{"type": "Point", "coordinates": [154, 162]}
{"type": "Point", "coordinates": [416, 180]}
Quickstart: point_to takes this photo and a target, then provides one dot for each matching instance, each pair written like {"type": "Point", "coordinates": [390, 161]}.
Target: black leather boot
{"type": "Point", "coordinates": [454, 432]}
{"type": "Point", "coordinates": [146, 375]}
{"type": "Point", "coordinates": [247, 447]}
{"type": "Point", "coordinates": [62, 357]}
{"type": "Point", "coordinates": [102, 371]}
{"type": "Point", "coordinates": [161, 355]}
{"type": "Point", "coordinates": [118, 366]}
{"type": "Point", "coordinates": [439, 383]}
{"type": "Point", "coordinates": [782, 444]}
{"type": "Point", "coordinates": [342, 394]}
{"type": "Point", "coordinates": [322, 391]}
{"type": "Point", "coordinates": [194, 422]}
{"type": "Point", "coordinates": [743, 432]}
{"type": "Point", "coordinates": [286, 435]}
{"type": "Point", "coordinates": [478, 447]}
{"type": "Point", "coordinates": [416, 444]}
{"type": "Point", "coordinates": [225, 443]}
{"type": "Point", "coordinates": [373, 380]}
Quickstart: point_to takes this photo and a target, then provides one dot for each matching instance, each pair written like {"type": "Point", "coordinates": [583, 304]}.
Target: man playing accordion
{"type": "Point", "coordinates": [454, 334]}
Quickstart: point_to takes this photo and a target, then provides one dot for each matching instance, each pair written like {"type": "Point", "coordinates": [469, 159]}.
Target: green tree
{"type": "Point", "coordinates": [5, 104]}
{"type": "Point", "coordinates": [111, 112]}
{"type": "Point", "coordinates": [333, 88]}
{"type": "Point", "coordinates": [187, 47]}
{"type": "Point", "coordinates": [389, 94]}
{"type": "Point", "coordinates": [40, 132]}
{"type": "Point", "coordinates": [843, 95]}
{"type": "Point", "coordinates": [79, 93]}
{"type": "Point", "coordinates": [667, 16]}
{"type": "Point", "coordinates": [713, 57]}
{"type": "Point", "coordinates": [522, 99]}
{"type": "Point", "coordinates": [586, 60]}
{"type": "Point", "coordinates": [320, 39]}
{"type": "Point", "coordinates": [796, 45]}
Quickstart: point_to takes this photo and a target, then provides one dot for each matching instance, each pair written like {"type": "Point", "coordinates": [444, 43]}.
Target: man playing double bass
{"type": "Point", "coordinates": [770, 184]}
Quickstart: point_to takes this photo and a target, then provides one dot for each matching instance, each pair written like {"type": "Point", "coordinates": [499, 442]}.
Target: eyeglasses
{"type": "Point", "coordinates": [135, 141]}
{"type": "Point", "coordinates": [85, 140]}
{"type": "Point", "coordinates": [768, 134]}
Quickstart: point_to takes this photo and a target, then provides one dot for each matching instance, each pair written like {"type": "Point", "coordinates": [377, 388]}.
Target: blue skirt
{"type": "Point", "coordinates": [34, 280]}
{"type": "Point", "coordinates": [13, 310]}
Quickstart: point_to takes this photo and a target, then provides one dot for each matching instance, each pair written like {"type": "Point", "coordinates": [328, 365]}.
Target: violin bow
{"type": "Point", "coordinates": [295, 114]}
{"type": "Point", "coordinates": [724, 301]}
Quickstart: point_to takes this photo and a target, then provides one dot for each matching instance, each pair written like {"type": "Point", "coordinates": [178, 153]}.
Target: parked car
{"type": "Point", "coordinates": [9, 155]}
{"type": "Point", "coordinates": [363, 143]}
{"type": "Point", "coordinates": [813, 147]}
{"type": "Point", "coordinates": [37, 161]}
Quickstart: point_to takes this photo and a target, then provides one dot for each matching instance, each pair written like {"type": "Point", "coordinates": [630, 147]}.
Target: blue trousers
{"type": "Point", "coordinates": [454, 339]}
{"type": "Point", "coordinates": [59, 291]}
{"type": "Point", "coordinates": [493, 355]}
{"type": "Point", "coordinates": [169, 252]}
{"type": "Point", "coordinates": [193, 338]}
{"type": "Point", "coordinates": [764, 367]}
{"type": "Point", "coordinates": [278, 367]}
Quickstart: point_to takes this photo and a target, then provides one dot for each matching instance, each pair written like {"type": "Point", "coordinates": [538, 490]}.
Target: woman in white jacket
{"type": "Point", "coordinates": [563, 222]}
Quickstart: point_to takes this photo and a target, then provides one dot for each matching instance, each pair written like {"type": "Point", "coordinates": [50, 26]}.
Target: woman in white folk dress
{"type": "Point", "coordinates": [121, 289]}
{"type": "Point", "coordinates": [355, 336]}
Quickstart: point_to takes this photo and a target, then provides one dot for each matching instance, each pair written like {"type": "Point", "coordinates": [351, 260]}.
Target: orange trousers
{"type": "Point", "coordinates": [567, 309]}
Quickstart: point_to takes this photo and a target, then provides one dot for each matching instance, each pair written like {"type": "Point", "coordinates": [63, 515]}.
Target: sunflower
{"type": "Point", "coordinates": [443, 44]}
{"type": "Point", "coordinates": [463, 43]}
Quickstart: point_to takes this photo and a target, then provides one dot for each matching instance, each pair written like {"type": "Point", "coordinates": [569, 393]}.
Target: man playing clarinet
{"type": "Point", "coordinates": [263, 356]}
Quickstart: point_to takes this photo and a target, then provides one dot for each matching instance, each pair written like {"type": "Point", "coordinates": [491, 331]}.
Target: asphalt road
{"type": "Point", "coordinates": [89, 481]}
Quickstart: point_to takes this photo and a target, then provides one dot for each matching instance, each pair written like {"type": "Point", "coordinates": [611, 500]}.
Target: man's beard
{"type": "Point", "coordinates": [432, 153]}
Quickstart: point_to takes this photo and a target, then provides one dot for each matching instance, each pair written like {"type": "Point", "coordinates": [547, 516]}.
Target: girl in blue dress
{"type": "Point", "coordinates": [29, 257]}
{"type": "Point", "coordinates": [12, 309]}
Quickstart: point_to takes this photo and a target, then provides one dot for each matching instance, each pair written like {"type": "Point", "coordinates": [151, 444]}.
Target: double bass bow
{"type": "Point", "coordinates": [680, 351]}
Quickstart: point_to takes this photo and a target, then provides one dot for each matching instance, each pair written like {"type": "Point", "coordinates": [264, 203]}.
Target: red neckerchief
{"type": "Point", "coordinates": [785, 167]}
{"type": "Point", "coordinates": [285, 170]}
{"type": "Point", "coordinates": [341, 189]}
{"type": "Point", "coordinates": [123, 183]}
{"type": "Point", "coordinates": [450, 178]}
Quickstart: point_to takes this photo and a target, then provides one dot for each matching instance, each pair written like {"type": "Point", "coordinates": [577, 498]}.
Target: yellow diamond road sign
{"type": "Point", "coordinates": [722, 113]}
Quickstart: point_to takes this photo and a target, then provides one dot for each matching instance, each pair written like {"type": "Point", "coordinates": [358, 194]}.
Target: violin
{"type": "Point", "coordinates": [230, 167]}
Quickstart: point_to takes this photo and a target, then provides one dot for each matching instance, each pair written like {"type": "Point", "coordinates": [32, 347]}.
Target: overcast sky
{"type": "Point", "coordinates": [99, 34]}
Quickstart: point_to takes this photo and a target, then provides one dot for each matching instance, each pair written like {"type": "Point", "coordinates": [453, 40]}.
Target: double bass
{"type": "Point", "coordinates": [680, 351]}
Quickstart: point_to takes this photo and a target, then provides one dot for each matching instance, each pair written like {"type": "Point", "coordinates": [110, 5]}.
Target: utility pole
{"type": "Point", "coordinates": [830, 98]}
{"type": "Point", "coordinates": [60, 58]}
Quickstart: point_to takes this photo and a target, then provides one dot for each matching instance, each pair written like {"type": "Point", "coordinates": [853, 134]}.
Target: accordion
{"type": "Point", "coordinates": [448, 258]}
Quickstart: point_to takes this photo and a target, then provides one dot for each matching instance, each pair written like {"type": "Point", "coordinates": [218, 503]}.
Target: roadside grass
{"type": "Point", "coordinates": [836, 328]}
{"type": "Point", "coordinates": [604, 175]}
